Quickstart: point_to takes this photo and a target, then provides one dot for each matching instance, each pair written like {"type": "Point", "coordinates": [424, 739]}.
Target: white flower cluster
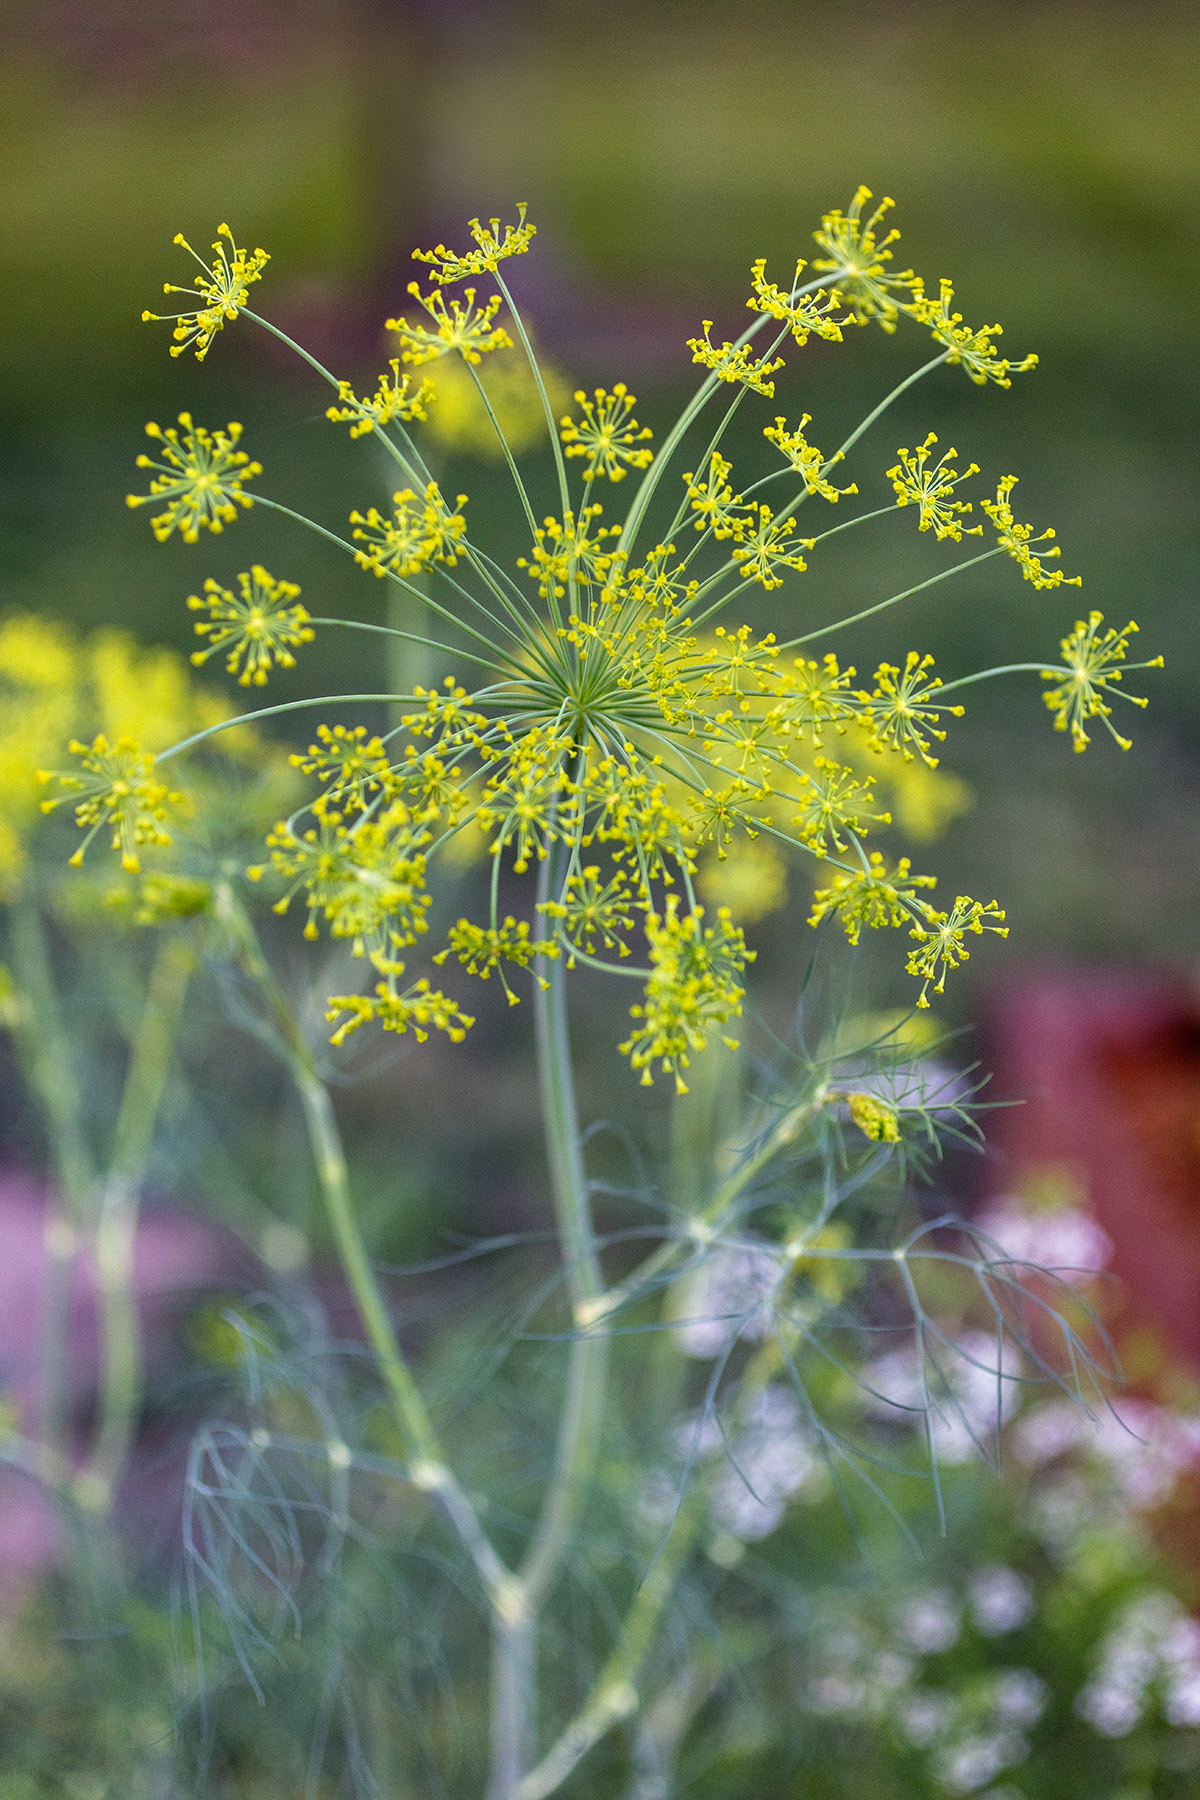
{"type": "Point", "coordinates": [1153, 1648]}
{"type": "Point", "coordinates": [1110, 1469]}
{"type": "Point", "coordinates": [970, 1734]}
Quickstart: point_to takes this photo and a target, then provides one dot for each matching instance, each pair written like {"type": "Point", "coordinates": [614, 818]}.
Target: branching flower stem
{"type": "Point", "coordinates": [427, 1467]}
{"type": "Point", "coordinates": [614, 1696]}
{"type": "Point", "coordinates": [673, 439]}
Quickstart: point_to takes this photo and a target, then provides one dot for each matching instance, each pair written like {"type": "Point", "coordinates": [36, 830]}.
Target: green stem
{"type": "Point", "coordinates": [116, 1225]}
{"type": "Point", "coordinates": [878, 411]}
{"type": "Point", "coordinates": [45, 1054]}
{"type": "Point", "coordinates": [892, 600]}
{"type": "Point", "coordinates": [548, 410]}
{"type": "Point", "coordinates": [427, 1467]}
{"type": "Point", "coordinates": [514, 1641]}
{"type": "Point", "coordinates": [614, 1697]}
{"type": "Point", "coordinates": [1005, 669]}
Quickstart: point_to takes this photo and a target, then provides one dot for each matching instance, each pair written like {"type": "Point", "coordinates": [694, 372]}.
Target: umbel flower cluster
{"type": "Point", "coordinates": [607, 729]}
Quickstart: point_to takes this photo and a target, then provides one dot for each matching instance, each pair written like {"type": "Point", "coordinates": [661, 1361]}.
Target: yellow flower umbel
{"type": "Point", "coordinates": [458, 326]}
{"type": "Point", "coordinates": [932, 490]}
{"type": "Point", "coordinates": [942, 940]}
{"type": "Point", "coordinates": [857, 258]}
{"type": "Point", "coordinates": [419, 533]}
{"type": "Point", "coordinates": [1091, 673]}
{"type": "Point", "coordinates": [970, 347]}
{"type": "Point", "coordinates": [605, 731]}
{"type": "Point", "coordinates": [1018, 541]}
{"type": "Point", "coordinates": [119, 788]}
{"type": "Point", "coordinates": [608, 435]}
{"type": "Point", "coordinates": [492, 249]}
{"type": "Point", "coordinates": [200, 477]}
{"type": "Point", "coordinates": [803, 313]}
{"type": "Point", "coordinates": [221, 288]}
{"type": "Point", "coordinates": [396, 397]}
{"type": "Point", "coordinates": [694, 986]}
{"type": "Point", "coordinates": [734, 363]}
{"type": "Point", "coordinates": [805, 459]}
{"type": "Point", "coordinates": [260, 623]}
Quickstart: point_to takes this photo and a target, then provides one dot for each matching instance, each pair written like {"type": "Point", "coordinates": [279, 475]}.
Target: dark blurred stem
{"type": "Point", "coordinates": [46, 1058]}
{"type": "Point", "coordinates": [116, 1224]}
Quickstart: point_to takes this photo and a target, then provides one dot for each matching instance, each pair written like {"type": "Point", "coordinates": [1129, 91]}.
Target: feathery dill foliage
{"type": "Point", "coordinates": [610, 727]}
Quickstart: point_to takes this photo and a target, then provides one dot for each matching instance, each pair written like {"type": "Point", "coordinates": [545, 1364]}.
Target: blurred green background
{"type": "Point", "coordinates": [1045, 158]}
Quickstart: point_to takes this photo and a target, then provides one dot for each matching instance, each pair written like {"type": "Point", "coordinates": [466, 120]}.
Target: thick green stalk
{"type": "Point", "coordinates": [116, 1225]}
{"type": "Point", "coordinates": [514, 1641]}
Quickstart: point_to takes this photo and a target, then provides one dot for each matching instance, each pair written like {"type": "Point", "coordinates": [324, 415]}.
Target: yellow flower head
{"type": "Point", "coordinates": [833, 801]}
{"type": "Point", "coordinates": [764, 548]}
{"type": "Point", "coordinates": [457, 325]}
{"type": "Point", "coordinates": [857, 258]}
{"type": "Point", "coordinates": [365, 877]}
{"type": "Point", "coordinates": [731, 364]}
{"type": "Point", "coordinates": [119, 789]}
{"type": "Point", "coordinates": [493, 249]}
{"type": "Point", "coordinates": [972, 348]}
{"type": "Point", "coordinates": [932, 490]}
{"type": "Point", "coordinates": [260, 623]}
{"type": "Point", "coordinates": [694, 987]}
{"type": "Point", "coordinates": [594, 914]}
{"type": "Point", "coordinates": [717, 508]}
{"type": "Point", "coordinates": [1089, 675]}
{"type": "Point", "coordinates": [902, 713]}
{"type": "Point", "coordinates": [420, 532]}
{"type": "Point", "coordinates": [1018, 541]}
{"type": "Point", "coordinates": [200, 477]}
{"type": "Point", "coordinates": [804, 313]}
{"type": "Point", "coordinates": [941, 939]}
{"type": "Point", "coordinates": [222, 289]}
{"type": "Point", "coordinates": [608, 434]}
{"type": "Point", "coordinates": [397, 397]}
{"type": "Point", "coordinates": [873, 896]}
{"type": "Point", "coordinates": [571, 551]}
{"type": "Point", "coordinates": [481, 949]}
{"type": "Point", "coordinates": [418, 1009]}
{"type": "Point", "coordinates": [805, 459]}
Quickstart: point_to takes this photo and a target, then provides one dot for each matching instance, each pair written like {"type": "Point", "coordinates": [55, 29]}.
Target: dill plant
{"type": "Point", "coordinates": [613, 733]}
